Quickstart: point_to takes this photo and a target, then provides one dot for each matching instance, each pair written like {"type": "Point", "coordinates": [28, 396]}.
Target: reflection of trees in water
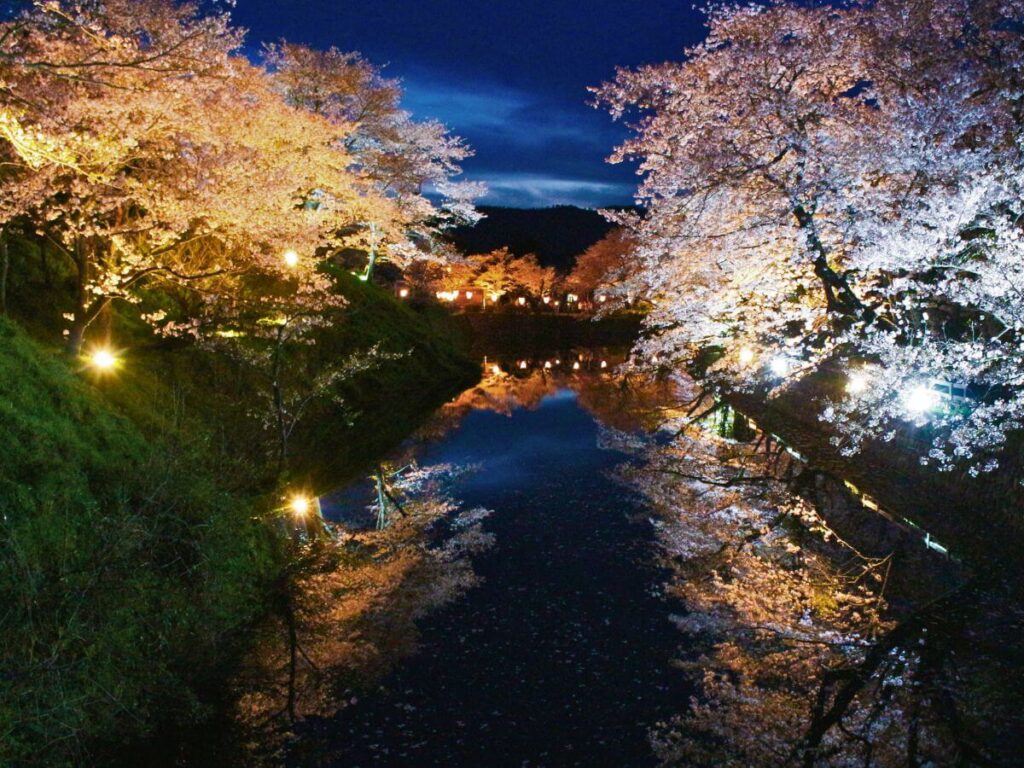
{"type": "Point", "coordinates": [347, 607]}
{"type": "Point", "coordinates": [617, 400]}
{"type": "Point", "coordinates": [798, 653]}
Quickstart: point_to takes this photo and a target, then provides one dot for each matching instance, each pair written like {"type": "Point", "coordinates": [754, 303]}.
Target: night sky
{"type": "Point", "coordinates": [508, 75]}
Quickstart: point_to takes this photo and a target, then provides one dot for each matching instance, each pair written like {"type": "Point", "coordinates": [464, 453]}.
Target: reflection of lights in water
{"type": "Point", "coordinates": [746, 356]}
{"type": "Point", "coordinates": [920, 399]}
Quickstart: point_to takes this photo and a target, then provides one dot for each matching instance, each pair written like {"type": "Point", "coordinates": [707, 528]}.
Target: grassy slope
{"type": "Point", "coordinates": [134, 547]}
{"type": "Point", "coordinates": [125, 569]}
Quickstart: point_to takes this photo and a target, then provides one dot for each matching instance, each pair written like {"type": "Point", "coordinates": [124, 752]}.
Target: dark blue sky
{"type": "Point", "coordinates": [508, 75]}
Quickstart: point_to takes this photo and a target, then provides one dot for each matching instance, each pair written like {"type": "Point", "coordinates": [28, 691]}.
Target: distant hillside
{"type": "Point", "coordinates": [557, 235]}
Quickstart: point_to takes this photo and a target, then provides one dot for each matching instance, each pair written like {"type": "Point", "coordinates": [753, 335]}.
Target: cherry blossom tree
{"type": "Point", "coordinates": [606, 263]}
{"type": "Point", "coordinates": [531, 277]}
{"type": "Point", "coordinates": [102, 103]}
{"type": "Point", "coordinates": [817, 181]}
{"type": "Point", "coordinates": [401, 159]}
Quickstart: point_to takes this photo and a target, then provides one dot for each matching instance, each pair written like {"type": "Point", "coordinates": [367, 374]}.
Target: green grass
{"type": "Point", "coordinates": [136, 547]}
{"type": "Point", "coordinates": [126, 571]}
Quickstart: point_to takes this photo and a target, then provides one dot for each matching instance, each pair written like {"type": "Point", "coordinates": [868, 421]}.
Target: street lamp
{"type": "Point", "coordinates": [858, 382]}
{"type": "Point", "coordinates": [780, 366]}
{"type": "Point", "coordinates": [300, 505]}
{"type": "Point", "coordinates": [103, 360]}
{"type": "Point", "coordinates": [920, 399]}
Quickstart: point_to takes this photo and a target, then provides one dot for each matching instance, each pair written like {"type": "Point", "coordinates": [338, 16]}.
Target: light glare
{"type": "Point", "coordinates": [780, 366]}
{"type": "Point", "coordinates": [858, 382]}
{"type": "Point", "coordinates": [920, 399]}
{"type": "Point", "coordinates": [103, 359]}
{"type": "Point", "coordinates": [300, 506]}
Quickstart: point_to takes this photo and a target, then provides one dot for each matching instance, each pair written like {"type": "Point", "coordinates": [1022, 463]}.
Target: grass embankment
{"type": "Point", "coordinates": [138, 543]}
{"type": "Point", "coordinates": [126, 569]}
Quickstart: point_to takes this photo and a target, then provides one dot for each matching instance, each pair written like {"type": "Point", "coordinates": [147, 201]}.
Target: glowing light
{"type": "Point", "coordinates": [655, 360]}
{"type": "Point", "coordinates": [403, 292]}
{"type": "Point", "coordinates": [447, 295]}
{"type": "Point", "coordinates": [469, 294]}
{"type": "Point", "coordinates": [558, 362]}
{"type": "Point", "coordinates": [495, 370]}
{"type": "Point", "coordinates": [546, 299]}
{"type": "Point", "coordinates": [522, 301]}
{"type": "Point", "coordinates": [291, 259]}
{"type": "Point", "coordinates": [103, 360]}
{"type": "Point", "coordinates": [494, 297]}
{"type": "Point", "coordinates": [780, 365]}
{"type": "Point", "coordinates": [920, 399]}
{"type": "Point", "coordinates": [746, 356]}
{"type": "Point", "coordinates": [858, 382]}
{"type": "Point", "coordinates": [575, 366]}
{"type": "Point", "coordinates": [522, 365]}
{"type": "Point", "coordinates": [300, 505]}
{"type": "Point", "coordinates": [570, 298]}
{"type": "Point", "coordinates": [602, 299]}
{"type": "Point", "coordinates": [556, 303]}
{"type": "Point", "coordinates": [547, 364]}
{"type": "Point", "coordinates": [604, 364]}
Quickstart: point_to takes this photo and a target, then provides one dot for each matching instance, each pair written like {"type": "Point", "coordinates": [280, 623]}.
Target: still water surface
{"type": "Point", "coordinates": [562, 655]}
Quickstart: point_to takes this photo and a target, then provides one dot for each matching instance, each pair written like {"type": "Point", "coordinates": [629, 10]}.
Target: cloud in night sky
{"type": "Point", "coordinates": [509, 76]}
{"type": "Point", "coordinates": [528, 148]}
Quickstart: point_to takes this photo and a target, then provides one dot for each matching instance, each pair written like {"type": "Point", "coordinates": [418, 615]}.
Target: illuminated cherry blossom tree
{"type": "Point", "coordinates": [827, 183]}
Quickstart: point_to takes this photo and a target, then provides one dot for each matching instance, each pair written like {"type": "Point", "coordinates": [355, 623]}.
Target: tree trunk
{"type": "Point", "coordinates": [839, 296]}
{"type": "Point", "coordinates": [80, 321]}
{"type": "Point", "coordinates": [278, 396]}
{"type": "Point", "coordinates": [4, 267]}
